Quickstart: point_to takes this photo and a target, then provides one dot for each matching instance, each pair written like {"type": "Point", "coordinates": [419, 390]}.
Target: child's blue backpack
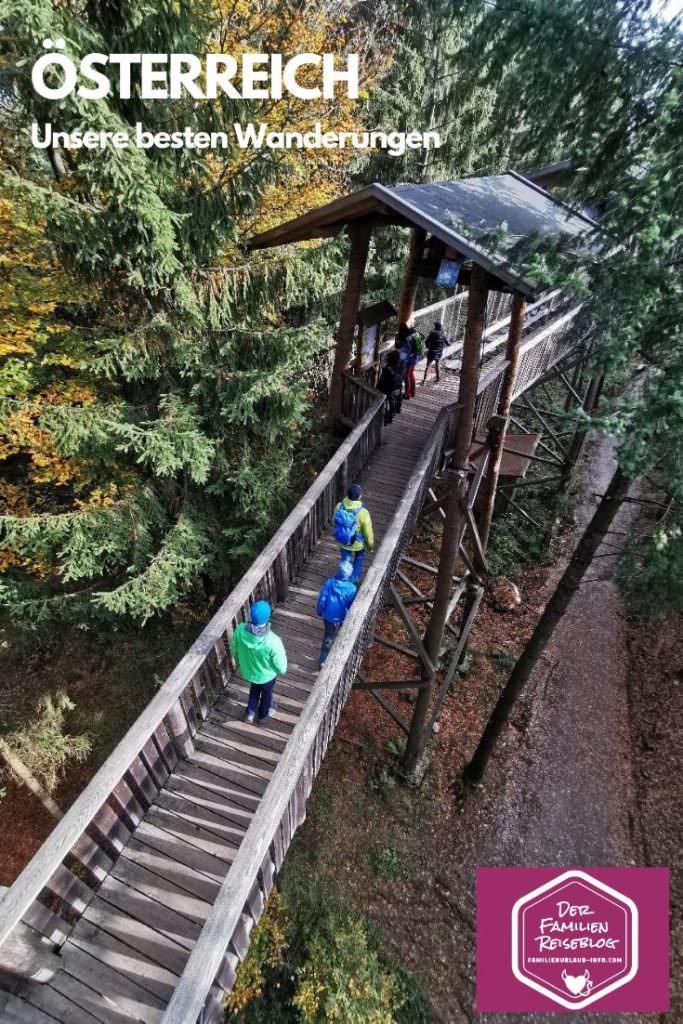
{"type": "Point", "coordinates": [345, 524]}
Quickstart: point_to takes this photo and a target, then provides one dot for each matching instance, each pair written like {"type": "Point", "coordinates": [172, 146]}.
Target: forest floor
{"type": "Point", "coordinates": [110, 680]}
{"type": "Point", "coordinates": [588, 773]}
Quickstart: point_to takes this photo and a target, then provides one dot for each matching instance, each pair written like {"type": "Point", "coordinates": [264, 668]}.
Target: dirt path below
{"type": "Point", "coordinates": [569, 795]}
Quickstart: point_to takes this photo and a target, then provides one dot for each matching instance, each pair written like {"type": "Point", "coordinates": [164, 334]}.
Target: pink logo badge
{"type": "Point", "coordinates": [572, 938]}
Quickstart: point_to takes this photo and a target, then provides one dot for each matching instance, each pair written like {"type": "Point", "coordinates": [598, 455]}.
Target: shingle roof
{"type": "Point", "coordinates": [460, 213]}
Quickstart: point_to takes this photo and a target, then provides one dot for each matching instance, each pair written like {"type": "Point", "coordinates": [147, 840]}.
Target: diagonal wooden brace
{"type": "Point", "coordinates": [412, 629]}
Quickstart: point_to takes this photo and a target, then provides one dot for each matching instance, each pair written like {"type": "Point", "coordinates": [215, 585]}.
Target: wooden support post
{"type": "Point", "coordinates": [406, 305]}
{"type": "Point", "coordinates": [456, 512]}
{"type": "Point", "coordinates": [360, 232]}
{"type": "Point", "coordinates": [497, 437]}
{"type": "Point", "coordinates": [577, 442]}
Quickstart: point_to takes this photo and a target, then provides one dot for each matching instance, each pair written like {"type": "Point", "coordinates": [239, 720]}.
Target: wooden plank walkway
{"type": "Point", "coordinates": [125, 955]}
{"type": "Point", "coordinates": [176, 840]}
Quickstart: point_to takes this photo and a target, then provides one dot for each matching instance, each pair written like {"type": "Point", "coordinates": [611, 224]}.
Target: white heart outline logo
{"type": "Point", "coordinates": [578, 984]}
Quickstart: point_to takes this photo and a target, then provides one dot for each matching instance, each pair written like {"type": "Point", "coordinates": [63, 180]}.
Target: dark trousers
{"type": "Point", "coordinates": [261, 699]}
{"type": "Point", "coordinates": [397, 398]}
{"type": "Point", "coordinates": [410, 381]}
{"type": "Point", "coordinates": [331, 630]}
{"type": "Point", "coordinates": [430, 360]}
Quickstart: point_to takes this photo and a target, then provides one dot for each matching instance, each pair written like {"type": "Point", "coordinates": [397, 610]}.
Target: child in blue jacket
{"type": "Point", "coordinates": [335, 598]}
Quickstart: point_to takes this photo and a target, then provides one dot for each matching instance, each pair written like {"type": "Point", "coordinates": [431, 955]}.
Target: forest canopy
{"type": "Point", "coordinates": [154, 385]}
{"type": "Point", "coordinates": [157, 381]}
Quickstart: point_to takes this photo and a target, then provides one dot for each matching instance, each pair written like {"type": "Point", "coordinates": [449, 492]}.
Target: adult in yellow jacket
{"type": "Point", "coordinates": [353, 530]}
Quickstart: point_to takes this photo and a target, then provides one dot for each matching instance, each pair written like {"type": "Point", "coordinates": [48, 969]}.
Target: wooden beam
{"type": "Point", "coordinates": [540, 481]}
{"type": "Point", "coordinates": [498, 430]}
{"type": "Point", "coordinates": [454, 525]}
{"type": "Point", "coordinates": [522, 512]}
{"type": "Point", "coordinates": [434, 505]}
{"type": "Point", "coordinates": [383, 704]}
{"type": "Point", "coordinates": [391, 684]}
{"type": "Point", "coordinates": [534, 458]}
{"type": "Point", "coordinates": [412, 629]}
{"type": "Point", "coordinates": [479, 553]}
{"type": "Point", "coordinates": [477, 595]}
{"type": "Point", "coordinates": [478, 476]}
{"type": "Point", "coordinates": [378, 639]}
{"type": "Point", "coordinates": [406, 305]}
{"type": "Point", "coordinates": [30, 781]}
{"type": "Point", "coordinates": [541, 442]}
{"type": "Point", "coordinates": [460, 585]}
{"type": "Point", "coordinates": [528, 404]}
{"type": "Point", "coordinates": [457, 594]}
{"type": "Point", "coordinates": [360, 232]}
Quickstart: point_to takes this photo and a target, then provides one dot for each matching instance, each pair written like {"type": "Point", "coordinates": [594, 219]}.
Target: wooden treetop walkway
{"type": "Point", "coordinates": [150, 884]}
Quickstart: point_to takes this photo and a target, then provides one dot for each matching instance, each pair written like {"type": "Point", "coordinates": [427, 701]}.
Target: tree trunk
{"type": "Point", "coordinates": [553, 612]}
{"type": "Point", "coordinates": [29, 780]}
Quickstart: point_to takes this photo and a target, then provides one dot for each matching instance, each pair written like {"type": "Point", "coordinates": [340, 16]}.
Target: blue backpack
{"type": "Point", "coordinates": [345, 524]}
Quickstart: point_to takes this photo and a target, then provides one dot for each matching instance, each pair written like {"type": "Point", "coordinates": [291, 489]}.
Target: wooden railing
{"type": "Point", "coordinates": [210, 970]}
{"type": "Point", "coordinates": [55, 886]}
{"type": "Point", "coordinates": [357, 398]}
{"type": "Point", "coordinates": [538, 354]}
{"type": "Point", "coordinates": [452, 314]}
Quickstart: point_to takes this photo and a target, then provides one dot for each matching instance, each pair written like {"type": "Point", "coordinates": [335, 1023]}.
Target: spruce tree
{"type": "Point", "coordinates": [427, 88]}
{"type": "Point", "coordinates": [198, 383]}
{"type": "Point", "coordinates": [600, 82]}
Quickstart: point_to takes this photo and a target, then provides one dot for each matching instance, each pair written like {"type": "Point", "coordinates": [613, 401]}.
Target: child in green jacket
{"type": "Point", "coordinates": [261, 657]}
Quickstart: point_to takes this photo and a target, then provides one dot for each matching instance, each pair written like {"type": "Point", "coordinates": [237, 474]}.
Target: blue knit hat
{"type": "Point", "coordinates": [260, 613]}
{"type": "Point", "coordinates": [355, 492]}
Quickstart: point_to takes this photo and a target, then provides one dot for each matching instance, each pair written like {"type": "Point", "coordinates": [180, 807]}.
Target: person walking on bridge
{"type": "Point", "coordinates": [409, 342]}
{"type": "Point", "coordinates": [353, 531]}
{"type": "Point", "coordinates": [335, 598]}
{"type": "Point", "coordinates": [261, 657]}
{"type": "Point", "coordinates": [435, 344]}
{"type": "Point", "coordinates": [385, 384]}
